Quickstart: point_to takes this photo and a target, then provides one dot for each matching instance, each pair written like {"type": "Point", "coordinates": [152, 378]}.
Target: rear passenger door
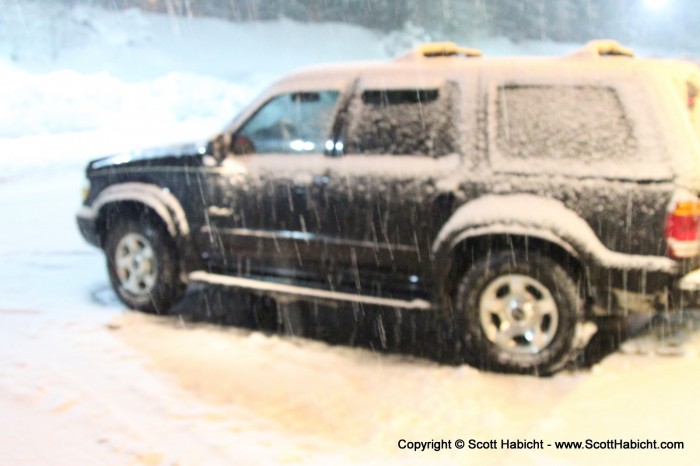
{"type": "Point", "coordinates": [380, 198]}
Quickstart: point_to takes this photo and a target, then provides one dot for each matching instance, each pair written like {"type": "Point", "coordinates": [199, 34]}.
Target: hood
{"type": "Point", "coordinates": [174, 155]}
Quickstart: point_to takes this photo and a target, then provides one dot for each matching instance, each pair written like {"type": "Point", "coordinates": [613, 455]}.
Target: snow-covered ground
{"type": "Point", "coordinates": [84, 381]}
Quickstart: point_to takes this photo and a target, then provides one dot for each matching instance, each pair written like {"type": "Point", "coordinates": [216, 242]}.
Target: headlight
{"type": "Point", "coordinates": [86, 189]}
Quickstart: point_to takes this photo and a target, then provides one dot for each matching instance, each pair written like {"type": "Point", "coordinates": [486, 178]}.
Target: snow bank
{"type": "Point", "coordinates": [135, 46]}
{"type": "Point", "coordinates": [79, 82]}
{"type": "Point", "coordinates": [68, 101]}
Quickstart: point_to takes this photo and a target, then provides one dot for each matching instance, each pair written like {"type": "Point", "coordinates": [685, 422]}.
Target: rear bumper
{"type": "Point", "coordinates": [649, 291]}
{"type": "Point", "coordinates": [688, 287]}
{"type": "Point", "coordinates": [690, 282]}
{"type": "Point", "coordinates": [87, 224]}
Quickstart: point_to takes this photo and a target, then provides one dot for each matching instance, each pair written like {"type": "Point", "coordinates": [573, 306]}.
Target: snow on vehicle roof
{"type": "Point", "coordinates": [421, 63]}
{"type": "Point", "coordinates": [439, 49]}
{"type": "Point", "coordinates": [603, 48]}
{"type": "Point", "coordinates": [598, 63]}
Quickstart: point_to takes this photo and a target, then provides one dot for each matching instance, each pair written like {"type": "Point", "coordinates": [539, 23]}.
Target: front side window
{"type": "Point", "coordinates": [403, 122]}
{"type": "Point", "coordinates": [298, 122]}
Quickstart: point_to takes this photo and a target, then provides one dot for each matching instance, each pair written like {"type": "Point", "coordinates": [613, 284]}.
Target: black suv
{"type": "Point", "coordinates": [518, 198]}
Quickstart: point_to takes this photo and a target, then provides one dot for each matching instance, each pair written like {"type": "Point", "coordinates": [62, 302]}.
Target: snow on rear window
{"type": "Point", "coordinates": [403, 122]}
{"type": "Point", "coordinates": [548, 123]}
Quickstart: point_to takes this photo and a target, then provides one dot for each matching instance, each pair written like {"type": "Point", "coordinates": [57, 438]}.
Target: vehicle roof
{"type": "Point", "coordinates": [598, 63]}
{"type": "Point", "coordinates": [418, 70]}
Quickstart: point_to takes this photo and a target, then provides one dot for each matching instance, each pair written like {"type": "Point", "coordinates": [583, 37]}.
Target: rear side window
{"type": "Point", "coordinates": [403, 122]}
{"type": "Point", "coordinates": [567, 123]}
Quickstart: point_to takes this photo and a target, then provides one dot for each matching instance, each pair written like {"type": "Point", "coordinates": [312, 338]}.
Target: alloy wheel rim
{"type": "Point", "coordinates": [518, 314]}
{"type": "Point", "coordinates": [135, 264]}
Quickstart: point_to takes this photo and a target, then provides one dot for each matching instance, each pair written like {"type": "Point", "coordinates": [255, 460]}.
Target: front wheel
{"type": "Point", "coordinates": [518, 312]}
{"type": "Point", "coordinates": [142, 265]}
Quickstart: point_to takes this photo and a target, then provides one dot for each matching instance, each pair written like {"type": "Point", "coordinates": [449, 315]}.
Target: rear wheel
{"type": "Point", "coordinates": [518, 312]}
{"type": "Point", "coordinates": [142, 264]}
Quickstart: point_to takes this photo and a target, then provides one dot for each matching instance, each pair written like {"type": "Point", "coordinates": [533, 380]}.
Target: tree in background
{"type": "Point", "coordinates": [633, 21]}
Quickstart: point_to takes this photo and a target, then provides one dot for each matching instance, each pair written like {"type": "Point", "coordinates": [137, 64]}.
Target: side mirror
{"type": "Point", "coordinates": [218, 147]}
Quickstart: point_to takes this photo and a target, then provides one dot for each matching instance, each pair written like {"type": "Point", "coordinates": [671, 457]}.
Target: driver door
{"type": "Point", "coordinates": [264, 220]}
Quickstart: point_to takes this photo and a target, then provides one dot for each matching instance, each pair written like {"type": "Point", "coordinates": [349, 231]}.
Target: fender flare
{"type": "Point", "coordinates": [161, 200]}
{"type": "Point", "coordinates": [513, 230]}
{"type": "Point", "coordinates": [544, 218]}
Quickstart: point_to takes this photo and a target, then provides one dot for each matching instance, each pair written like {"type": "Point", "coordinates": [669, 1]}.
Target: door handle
{"type": "Point", "coordinates": [320, 180]}
{"type": "Point", "coordinates": [304, 181]}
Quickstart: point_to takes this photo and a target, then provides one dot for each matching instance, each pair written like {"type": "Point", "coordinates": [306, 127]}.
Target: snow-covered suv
{"type": "Point", "coordinates": [516, 197]}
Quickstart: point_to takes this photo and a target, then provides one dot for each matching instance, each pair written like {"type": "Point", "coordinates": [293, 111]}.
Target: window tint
{"type": "Point", "coordinates": [411, 96]}
{"type": "Point", "coordinates": [403, 122]}
{"type": "Point", "coordinates": [583, 123]}
{"type": "Point", "coordinates": [289, 123]}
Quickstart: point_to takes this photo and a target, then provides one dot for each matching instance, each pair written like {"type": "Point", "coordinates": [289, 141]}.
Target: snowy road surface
{"type": "Point", "coordinates": [84, 381]}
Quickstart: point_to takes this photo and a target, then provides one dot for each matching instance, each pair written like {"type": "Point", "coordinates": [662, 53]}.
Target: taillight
{"type": "Point", "coordinates": [683, 229]}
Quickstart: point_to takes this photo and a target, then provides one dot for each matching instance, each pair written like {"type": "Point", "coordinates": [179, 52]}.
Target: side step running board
{"type": "Point", "coordinates": [273, 288]}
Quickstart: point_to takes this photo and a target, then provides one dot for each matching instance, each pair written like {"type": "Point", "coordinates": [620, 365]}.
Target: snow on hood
{"type": "Point", "coordinates": [177, 150]}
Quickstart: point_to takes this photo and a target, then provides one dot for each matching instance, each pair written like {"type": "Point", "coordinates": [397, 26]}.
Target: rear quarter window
{"type": "Point", "coordinates": [562, 124]}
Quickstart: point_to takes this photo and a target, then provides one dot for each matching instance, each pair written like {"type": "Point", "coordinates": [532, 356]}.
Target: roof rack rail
{"type": "Point", "coordinates": [437, 50]}
{"type": "Point", "coordinates": [603, 48]}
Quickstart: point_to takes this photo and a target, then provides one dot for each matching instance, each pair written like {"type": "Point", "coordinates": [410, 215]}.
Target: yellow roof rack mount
{"type": "Point", "coordinates": [439, 50]}
{"type": "Point", "coordinates": [603, 48]}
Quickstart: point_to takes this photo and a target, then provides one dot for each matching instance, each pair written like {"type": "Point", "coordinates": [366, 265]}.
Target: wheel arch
{"type": "Point", "coordinates": [144, 199]}
{"type": "Point", "coordinates": [155, 286]}
{"type": "Point", "coordinates": [474, 244]}
{"type": "Point", "coordinates": [139, 199]}
{"type": "Point", "coordinates": [112, 212]}
{"type": "Point", "coordinates": [523, 218]}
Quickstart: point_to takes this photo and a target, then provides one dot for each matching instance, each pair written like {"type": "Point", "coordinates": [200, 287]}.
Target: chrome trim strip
{"type": "Point", "coordinates": [281, 288]}
{"type": "Point", "coordinates": [306, 236]}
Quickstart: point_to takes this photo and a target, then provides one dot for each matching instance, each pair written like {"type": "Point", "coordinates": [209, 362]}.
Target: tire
{"type": "Point", "coordinates": [142, 265]}
{"type": "Point", "coordinates": [518, 313]}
